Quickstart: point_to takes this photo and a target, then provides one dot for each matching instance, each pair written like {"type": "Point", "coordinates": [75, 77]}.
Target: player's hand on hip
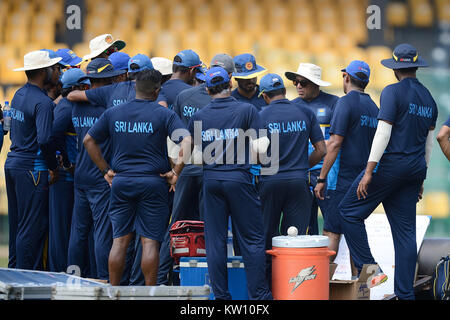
{"type": "Point", "coordinates": [363, 186]}
{"type": "Point", "coordinates": [109, 176]}
{"type": "Point", "coordinates": [53, 176]}
{"type": "Point", "coordinates": [171, 179]}
{"type": "Point", "coordinates": [420, 193]}
{"type": "Point", "coordinates": [318, 191]}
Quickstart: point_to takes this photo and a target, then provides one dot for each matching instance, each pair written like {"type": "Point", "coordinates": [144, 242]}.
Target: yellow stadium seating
{"type": "Point", "coordinates": [318, 42]}
{"type": "Point", "coordinates": [397, 14]}
{"type": "Point", "coordinates": [219, 42]}
{"type": "Point", "coordinates": [443, 10]}
{"type": "Point", "coordinates": [421, 13]}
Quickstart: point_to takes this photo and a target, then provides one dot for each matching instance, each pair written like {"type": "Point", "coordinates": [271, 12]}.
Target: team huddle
{"type": "Point", "coordinates": [104, 161]}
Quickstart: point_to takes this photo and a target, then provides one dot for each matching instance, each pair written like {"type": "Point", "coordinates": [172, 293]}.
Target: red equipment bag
{"type": "Point", "coordinates": [187, 239]}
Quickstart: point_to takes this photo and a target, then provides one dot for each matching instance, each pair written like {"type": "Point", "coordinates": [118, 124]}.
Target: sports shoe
{"type": "Point", "coordinates": [378, 278]}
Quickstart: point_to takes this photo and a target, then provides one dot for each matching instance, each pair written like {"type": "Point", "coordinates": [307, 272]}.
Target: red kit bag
{"type": "Point", "coordinates": [187, 239]}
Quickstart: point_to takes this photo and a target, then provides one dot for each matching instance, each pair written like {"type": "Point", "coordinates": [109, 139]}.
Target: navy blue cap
{"type": "Point", "coordinates": [404, 56]}
{"type": "Point", "coordinates": [216, 73]}
{"type": "Point", "coordinates": [188, 58]}
{"type": "Point", "coordinates": [72, 77]}
{"type": "Point", "coordinates": [246, 67]}
{"type": "Point", "coordinates": [142, 61]}
{"type": "Point", "coordinates": [270, 82]}
{"type": "Point", "coordinates": [358, 70]}
{"type": "Point", "coordinates": [119, 60]}
{"type": "Point", "coordinates": [69, 58]}
{"type": "Point", "coordinates": [101, 68]}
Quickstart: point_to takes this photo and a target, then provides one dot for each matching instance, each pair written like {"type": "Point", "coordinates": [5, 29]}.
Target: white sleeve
{"type": "Point", "coordinates": [429, 146]}
{"type": "Point", "coordinates": [260, 145]}
{"type": "Point", "coordinates": [172, 149]}
{"type": "Point", "coordinates": [380, 141]}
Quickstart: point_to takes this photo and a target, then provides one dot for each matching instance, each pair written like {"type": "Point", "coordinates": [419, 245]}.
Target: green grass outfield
{"type": "Point", "coordinates": [3, 256]}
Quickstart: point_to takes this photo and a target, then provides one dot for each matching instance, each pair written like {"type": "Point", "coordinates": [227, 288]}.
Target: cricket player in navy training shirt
{"type": "Point", "coordinates": [352, 130]}
{"type": "Point", "coordinates": [308, 80]}
{"type": "Point", "coordinates": [61, 193]}
{"type": "Point", "coordinates": [188, 198]}
{"type": "Point", "coordinates": [395, 171]}
{"type": "Point", "coordinates": [221, 129]}
{"type": "Point", "coordinates": [287, 190]}
{"type": "Point", "coordinates": [246, 75]}
{"type": "Point", "coordinates": [31, 164]}
{"type": "Point", "coordinates": [139, 199]}
{"type": "Point", "coordinates": [91, 190]}
{"type": "Point", "coordinates": [118, 92]}
{"type": "Point", "coordinates": [185, 66]}
{"type": "Point", "coordinates": [443, 138]}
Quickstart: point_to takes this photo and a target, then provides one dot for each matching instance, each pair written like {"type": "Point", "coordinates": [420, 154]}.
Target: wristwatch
{"type": "Point", "coordinates": [105, 171]}
{"type": "Point", "coordinates": [321, 180]}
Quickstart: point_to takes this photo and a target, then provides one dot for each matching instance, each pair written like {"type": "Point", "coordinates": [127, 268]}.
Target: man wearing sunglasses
{"type": "Point", "coordinates": [308, 80]}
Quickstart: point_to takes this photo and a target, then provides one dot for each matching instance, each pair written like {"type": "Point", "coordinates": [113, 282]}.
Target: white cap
{"type": "Point", "coordinates": [101, 43]}
{"type": "Point", "coordinates": [309, 71]}
{"type": "Point", "coordinates": [304, 241]}
{"type": "Point", "coordinates": [163, 65]}
{"type": "Point", "coordinates": [37, 60]}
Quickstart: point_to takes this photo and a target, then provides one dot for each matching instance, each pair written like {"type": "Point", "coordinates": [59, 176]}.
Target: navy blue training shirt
{"type": "Point", "coordinates": [138, 133]}
{"type": "Point", "coordinates": [322, 106]}
{"type": "Point", "coordinates": [413, 111]}
{"type": "Point", "coordinates": [187, 103]}
{"type": "Point", "coordinates": [355, 119]}
{"type": "Point", "coordinates": [84, 116]}
{"type": "Point", "coordinates": [64, 135]}
{"type": "Point", "coordinates": [31, 130]}
{"type": "Point", "coordinates": [223, 121]}
{"type": "Point", "coordinates": [170, 90]}
{"type": "Point", "coordinates": [112, 95]}
{"type": "Point", "coordinates": [258, 102]}
{"type": "Point", "coordinates": [296, 126]}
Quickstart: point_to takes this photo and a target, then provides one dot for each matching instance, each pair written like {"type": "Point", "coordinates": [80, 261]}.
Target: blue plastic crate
{"type": "Point", "coordinates": [194, 272]}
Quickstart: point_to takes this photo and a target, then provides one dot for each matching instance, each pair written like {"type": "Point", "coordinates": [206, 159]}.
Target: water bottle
{"type": "Point", "coordinates": [7, 116]}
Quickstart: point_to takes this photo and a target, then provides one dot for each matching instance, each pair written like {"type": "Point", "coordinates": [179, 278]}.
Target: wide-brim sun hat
{"type": "Point", "coordinates": [101, 43]}
{"type": "Point", "coordinates": [246, 67]}
{"type": "Point", "coordinates": [404, 56]}
{"type": "Point", "coordinates": [163, 65]}
{"type": "Point", "coordinates": [101, 68]}
{"type": "Point", "coordinates": [37, 60]}
{"type": "Point", "coordinates": [309, 71]}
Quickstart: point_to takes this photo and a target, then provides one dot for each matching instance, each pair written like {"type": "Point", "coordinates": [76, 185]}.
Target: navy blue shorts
{"type": "Point", "coordinates": [332, 220]}
{"type": "Point", "coordinates": [139, 204]}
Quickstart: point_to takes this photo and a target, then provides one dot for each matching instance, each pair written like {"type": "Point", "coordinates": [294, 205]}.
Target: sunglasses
{"type": "Point", "coordinates": [303, 83]}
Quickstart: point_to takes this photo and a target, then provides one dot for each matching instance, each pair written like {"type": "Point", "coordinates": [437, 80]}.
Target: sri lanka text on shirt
{"type": "Point", "coordinates": [420, 111]}
{"type": "Point", "coordinates": [133, 127]}
{"type": "Point", "coordinates": [287, 127]}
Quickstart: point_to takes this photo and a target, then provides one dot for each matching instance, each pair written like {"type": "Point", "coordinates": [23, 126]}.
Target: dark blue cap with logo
{"type": "Point", "coordinates": [119, 60]}
{"type": "Point", "coordinates": [101, 68]}
{"type": "Point", "coordinates": [358, 70]}
{"type": "Point", "coordinates": [404, 56]}
{"type": "Point", "coordinates": [188, 59]}
{"type": "Point", "coordinates": [69, 58]}
{"type": "Point", "coordinates": [216, 76]}
{"type": "Point", "coordinates": [201, 74]}
{"type": "Point", "coordinates": [142, 61]}
{"type": "Point", "coordinates": [270, 82]}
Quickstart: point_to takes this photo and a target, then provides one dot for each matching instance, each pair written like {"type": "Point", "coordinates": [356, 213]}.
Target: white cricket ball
{"type": "Point", "coordinates": [292, 231]}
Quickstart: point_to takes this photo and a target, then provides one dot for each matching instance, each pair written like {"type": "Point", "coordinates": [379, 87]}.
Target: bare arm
{"type": "Point", "coordinates": [320, 150]}
{"type": "Point", "coordinates": [333, 147]}
{"type": "Point", "coordinates": [444, 143]}
{"type": "Point", "coordinates": [95, 153]}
